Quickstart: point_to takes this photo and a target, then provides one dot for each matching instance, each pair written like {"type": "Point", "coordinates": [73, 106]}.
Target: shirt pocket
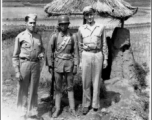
{"type": "Point", "coordinates": [85, 35]}
{"type": "Point", "coordinates": [97, 32]}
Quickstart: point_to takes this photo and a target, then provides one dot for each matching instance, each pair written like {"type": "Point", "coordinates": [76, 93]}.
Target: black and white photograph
{"type": "Point", "coordinates": [76, 60]}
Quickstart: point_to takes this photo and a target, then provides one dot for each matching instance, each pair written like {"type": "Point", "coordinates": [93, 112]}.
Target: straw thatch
{"type": "Point", "coordinates": [118, 9]}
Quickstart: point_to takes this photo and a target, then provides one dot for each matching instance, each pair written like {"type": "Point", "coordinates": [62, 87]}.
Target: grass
{"type": "Point", "coordinates": [20, 12]}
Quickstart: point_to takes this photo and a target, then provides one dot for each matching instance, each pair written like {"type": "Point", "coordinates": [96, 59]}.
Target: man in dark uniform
{"type": "Point", "coordinates": [63, 48]}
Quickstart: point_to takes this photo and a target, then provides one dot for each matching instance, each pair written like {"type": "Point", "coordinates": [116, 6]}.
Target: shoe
{"type": "Point", "coordinates": [73, 112]}
{"type": "Point", "coordinates": [85, 110]}
{"type": "Point", "coordinates": [32, 113]}
{"type": "Point", "coordinates": [34, 117]}
{"type": "Point", "coordinates": [71, 103]}
{"type": "Point", "coordinates": [56, 113]}
{"type": "Point", "coordinates": [57, 105]}
{"type": "Point", "coordinates": [95, 109]}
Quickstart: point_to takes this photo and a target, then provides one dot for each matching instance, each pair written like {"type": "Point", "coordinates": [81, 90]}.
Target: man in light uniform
{"type": "Point", "coordinates": [63, 47]}
{"type": "Point", "coordinates": [94, 55]}
{"type": "Point", "coordinates": [28, 51]}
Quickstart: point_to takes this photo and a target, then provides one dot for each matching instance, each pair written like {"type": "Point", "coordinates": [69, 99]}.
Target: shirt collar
{"type": "Point", "coordinates": [28, 32]}
{"type": "Point", "coordinates": [62, 34]}
{"type": "Point", "coordinates": [94, 26]}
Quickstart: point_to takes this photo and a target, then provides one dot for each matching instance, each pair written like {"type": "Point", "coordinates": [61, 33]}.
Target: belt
{"type": "Point", "coordinates": [93, 51]}
{"type": "Point", "coordinates": [64, 56]}
{"type": "Point", "coordinates": [28, 59]}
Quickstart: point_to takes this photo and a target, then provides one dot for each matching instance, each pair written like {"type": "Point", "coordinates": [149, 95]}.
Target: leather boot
{"type": "Point", "coordinates": [71, 102]}
{"type": "Point", "coordinates": [57, 105]}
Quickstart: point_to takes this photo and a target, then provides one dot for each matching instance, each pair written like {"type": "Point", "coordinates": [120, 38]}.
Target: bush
{"type": "Point", "coordinates": [141, 73]}
{"type": "Point", "coordinates": [13, 31]}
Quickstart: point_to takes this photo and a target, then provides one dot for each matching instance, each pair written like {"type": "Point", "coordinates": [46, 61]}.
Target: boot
{"type": "Point", "coordinates": [57, 105]}
{"type": "Point", "coordinates": [71, 102]}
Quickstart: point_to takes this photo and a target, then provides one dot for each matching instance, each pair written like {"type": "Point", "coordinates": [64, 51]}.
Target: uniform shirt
{"type": "Point", "coordinates": [70, 49]}
{"type": "Point", "coordinates": [93, 38]}
{"type": "Point", "coordinates": [27, 45]}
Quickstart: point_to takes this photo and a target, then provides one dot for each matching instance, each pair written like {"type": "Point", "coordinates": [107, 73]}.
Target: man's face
{"type": "Point", "coordinates": [64, 26]}
{"type": "Point", "coordinates": [31, 24]}
{"type": "Point", "coordinates": [89, 17]}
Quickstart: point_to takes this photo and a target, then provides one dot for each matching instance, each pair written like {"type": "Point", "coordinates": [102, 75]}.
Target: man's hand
{"type": "Point", "coordinates": [80, 66]}
{"type": "Point", "coordinates": [75, 70]}
{"type": "Point", "coordinates": [50, 70]}
{"type": "Point", "coordinates": [41, 56]}
{"type": "Point", "coordinates": [18, 76]}
{"type": "Point", "coordinates": [105, 64]}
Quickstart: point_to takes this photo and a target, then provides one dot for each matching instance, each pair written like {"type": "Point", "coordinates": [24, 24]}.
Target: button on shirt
{"type": "Point", "coordinates": [27, 45]}
{"type": "Point", "coordinates": [93, 38]}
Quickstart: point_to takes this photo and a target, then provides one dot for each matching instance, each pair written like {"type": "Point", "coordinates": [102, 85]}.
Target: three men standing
{"type": "Point", "coordinates": [62, 48]}
{"type": "Point", "coordinates": [28, 51]}
{"type": "Point", "coordinates": [63, 52]}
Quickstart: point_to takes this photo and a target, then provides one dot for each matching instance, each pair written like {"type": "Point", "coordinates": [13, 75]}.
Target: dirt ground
{"type": "Point", "coordinates": [9, 110]}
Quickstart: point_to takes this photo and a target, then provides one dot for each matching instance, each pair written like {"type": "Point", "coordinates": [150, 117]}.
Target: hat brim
{"type": "Point", "coordinates": [64, 22]}
{"type": "Point", "coordinates": [90, 11]}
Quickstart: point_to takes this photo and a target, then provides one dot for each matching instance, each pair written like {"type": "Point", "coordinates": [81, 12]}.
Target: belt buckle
{"type": "Point", "coordinates": [95, 51]}
{"type": "Point", "coordinates": [33, 60]}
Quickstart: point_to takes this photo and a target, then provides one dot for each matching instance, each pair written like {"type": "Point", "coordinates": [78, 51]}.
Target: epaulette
{"type": "Point", "coordinates": [21, 34]}
{"type": "Point", "coordinates": [83, 26]}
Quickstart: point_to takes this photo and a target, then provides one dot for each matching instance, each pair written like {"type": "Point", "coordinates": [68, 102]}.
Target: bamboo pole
{"type": "Point", "coordinates": [122, 23]}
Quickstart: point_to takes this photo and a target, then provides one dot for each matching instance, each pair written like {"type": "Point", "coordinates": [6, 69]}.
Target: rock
{"type": "Point", "coordinates": [122, 56]}
{"type": "Point", "coordinates": [93, 116]}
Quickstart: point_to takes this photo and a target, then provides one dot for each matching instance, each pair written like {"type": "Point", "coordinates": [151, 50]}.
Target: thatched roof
{"type": "Point", "coordinates": [118, 9]}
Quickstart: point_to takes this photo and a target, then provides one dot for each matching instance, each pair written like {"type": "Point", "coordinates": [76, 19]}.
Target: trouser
{"type": "Point", "coordinates": [59, 80]}
{"type": "Point", "coordinates": [58, 89]}
{"type": "Point", "coordinates": [91, 73]}
{"type": "Point", "coordinates": [30, 72]}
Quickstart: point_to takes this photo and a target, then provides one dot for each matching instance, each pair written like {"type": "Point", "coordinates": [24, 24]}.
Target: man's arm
{"type": "Point", "coordinates": [42, 53]}
{"type": "Point", "coordinates": [105, 47]}
{"type": "Point", "coordinates": [51, 50]}
{"type": "Point", "coordinates": [42, 47]}
{"type": "Point", "coordinates": [80, 45]}
{"type": "Point", "coordinates": [15, 59]}
{"type": "Point", "coordinates": [76, 51]}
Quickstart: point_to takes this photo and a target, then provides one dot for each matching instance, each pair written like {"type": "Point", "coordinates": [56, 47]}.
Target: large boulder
{"type": "Point", "coordinates": [122, 55]}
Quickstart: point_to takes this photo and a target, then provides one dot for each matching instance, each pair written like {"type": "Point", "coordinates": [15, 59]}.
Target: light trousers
{"type": "Point", "coordinates": [30, 72]}
{"type": "Point", "coordinates": [91, 74]}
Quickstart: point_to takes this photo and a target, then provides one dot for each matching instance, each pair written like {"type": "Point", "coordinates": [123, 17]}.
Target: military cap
{"type": "Point", "coordinates": [88, 9]}
{"type": "Point", "coordinates": [32, 16]}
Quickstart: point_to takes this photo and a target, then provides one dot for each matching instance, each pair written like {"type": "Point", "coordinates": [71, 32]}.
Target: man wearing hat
{"type": "Point", "coordinates": [94, 55]}
{"type": "Point", "coordinates": [28, 51]}
{"type": "Point", "coordinates": [63, 47]}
